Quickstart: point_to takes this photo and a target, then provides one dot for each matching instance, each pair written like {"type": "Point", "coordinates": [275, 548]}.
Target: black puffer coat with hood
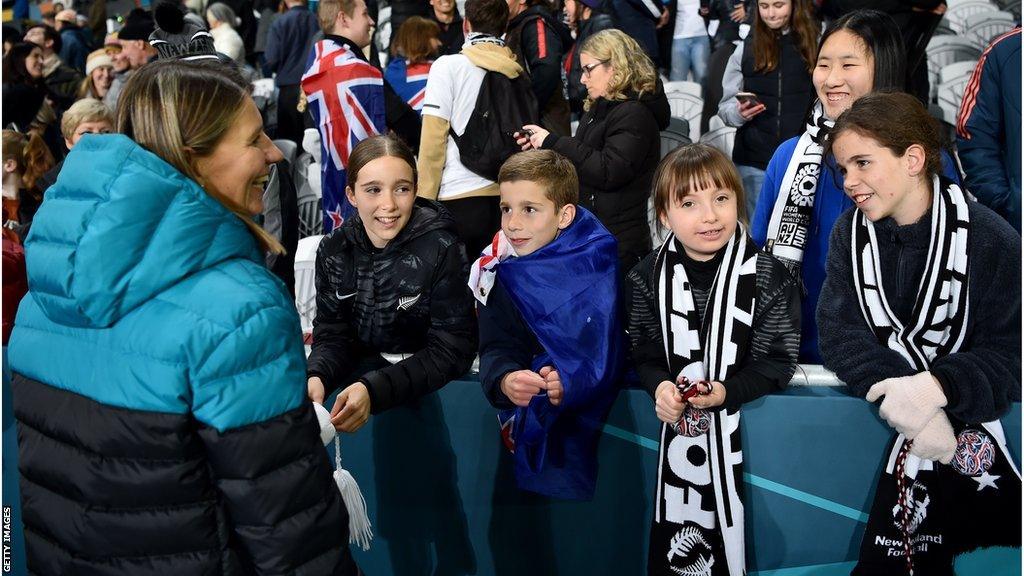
{"type": "Point", "coordinates": [409, 297]}
{"type": "Point", "coordinates": [615, 150]}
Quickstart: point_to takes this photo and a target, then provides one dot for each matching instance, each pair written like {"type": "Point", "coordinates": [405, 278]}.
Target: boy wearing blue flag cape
{"type": "Point", "coordinates": [551, 341]}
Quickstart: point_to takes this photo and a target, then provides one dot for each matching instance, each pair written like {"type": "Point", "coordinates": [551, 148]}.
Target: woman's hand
{"type": "Point", "coordinates": [351, 409]}
{"type": "Point", "coordinates": [750, 109]}
{"type": "Point", "coordinates": [531, 136]}
{"type": "Point", "coordinates": [715, 398]}
{"type": "Point", "coordinates": [668, 404]}
{"type": "Point", "coordinates": [315, 389]}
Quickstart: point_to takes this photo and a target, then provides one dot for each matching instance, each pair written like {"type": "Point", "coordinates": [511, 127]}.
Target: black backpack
{"type": "Point", "coordinates": [503, 107]}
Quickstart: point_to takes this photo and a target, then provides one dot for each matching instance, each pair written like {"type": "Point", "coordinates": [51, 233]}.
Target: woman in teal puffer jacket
{"type": "Point", "coordinates": [159, 376]}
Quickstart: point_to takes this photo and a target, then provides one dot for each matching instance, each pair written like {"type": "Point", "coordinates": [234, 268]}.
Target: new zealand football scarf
{"type": "Point", "coordinates": [567, 293]}
{"type": "Point", "coordinates": [698, 513]}
{"type": "Point", "coordinates": [794, 206]}
{"type": "Point", "coordinates": [924, 512]}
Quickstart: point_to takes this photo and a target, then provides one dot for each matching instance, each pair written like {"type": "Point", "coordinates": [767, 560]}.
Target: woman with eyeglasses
{"type": "Point", "coordinates": [617, 145]}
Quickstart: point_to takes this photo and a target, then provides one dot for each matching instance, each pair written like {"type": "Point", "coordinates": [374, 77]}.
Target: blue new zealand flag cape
{"type": "Point", "coordinates": [567, 292]}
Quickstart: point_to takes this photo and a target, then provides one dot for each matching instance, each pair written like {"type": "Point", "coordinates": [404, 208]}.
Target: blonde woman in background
{"type": "Point", "coordinates": [99, 75]}
{"type": "Point", "coordinates": [617, 145]}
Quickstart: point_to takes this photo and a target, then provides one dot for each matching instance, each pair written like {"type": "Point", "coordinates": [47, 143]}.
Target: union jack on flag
{"type": "Point", "coordinates": [345, 95]}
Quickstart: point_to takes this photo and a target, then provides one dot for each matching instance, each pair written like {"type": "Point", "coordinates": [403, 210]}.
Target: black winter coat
{"type": "Point", "coordinates": [540, 41]}
{"type": "Point", "coordinates": [409, 297]}
{"type": "Point", "coordinates": [982, 378]}
{"type": "Point", "coordinates": [786, 92]}
{"type": "Point", "coordinates": [615, 150]}
{"type": "Point", "coordinates": [775, 338]}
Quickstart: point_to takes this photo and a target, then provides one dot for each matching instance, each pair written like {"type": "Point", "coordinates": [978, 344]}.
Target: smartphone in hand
{"type": "Point", "coordinates": [747, 98]}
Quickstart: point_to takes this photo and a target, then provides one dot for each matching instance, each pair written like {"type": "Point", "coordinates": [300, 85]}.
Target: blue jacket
{"type": "Point", "coordinates": [159, 372]}
{"type": "Point", "coordinates": [829, 202]}
{"type": "Point", "coordinates": [988, 129]}
{"type": "Point", "coordinates": [288, 44]}
{"type": "Point", "coordinates": [74, 47]}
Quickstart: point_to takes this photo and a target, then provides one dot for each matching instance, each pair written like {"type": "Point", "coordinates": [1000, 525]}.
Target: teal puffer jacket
{"type": "Point", "coordinates": [159, 386]}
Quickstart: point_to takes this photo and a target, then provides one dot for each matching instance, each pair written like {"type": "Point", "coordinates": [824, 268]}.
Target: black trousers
{"type": "Point", "coordinates": [290, 124]}
{"type": "Point", "coordinates": [477, 220]}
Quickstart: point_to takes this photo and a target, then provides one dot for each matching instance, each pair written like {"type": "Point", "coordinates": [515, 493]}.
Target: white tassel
{"type": "Point", "coordinates": [359, 530]}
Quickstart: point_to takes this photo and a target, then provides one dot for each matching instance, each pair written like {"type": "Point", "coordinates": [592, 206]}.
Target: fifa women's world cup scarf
{"type": "Point", "coordinates": [567, 293]}
{"type": "Point", "coordinates": [794, 206]}
{"type": "Point", "coordinates": [925, 512]}
{"type": "Point", "coordinates": [698, 514]}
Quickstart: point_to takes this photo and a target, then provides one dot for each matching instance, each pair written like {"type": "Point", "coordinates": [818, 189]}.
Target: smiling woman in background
{"type": "Point", "coordinates": [179, 384]}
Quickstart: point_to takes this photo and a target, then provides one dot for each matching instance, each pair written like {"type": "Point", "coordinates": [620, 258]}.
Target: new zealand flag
{"type": "Point", "coordinates": [345, 95]}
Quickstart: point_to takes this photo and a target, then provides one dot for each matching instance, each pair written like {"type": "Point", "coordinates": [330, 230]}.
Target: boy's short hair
{"type": "Point", "coordinates": [487, 16]}
{"type": "Point", "coordinates": [85, 110]}
{"type": "Point", "coordinates": [327, 12]}
{"type": "Point", "coordinates": [547, 168]}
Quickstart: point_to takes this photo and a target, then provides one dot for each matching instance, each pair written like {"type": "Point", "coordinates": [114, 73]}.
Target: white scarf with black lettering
{"type": "Point", "coordinates": [686, 537]}
{"type": "Point", "coordinates": [794, 206]}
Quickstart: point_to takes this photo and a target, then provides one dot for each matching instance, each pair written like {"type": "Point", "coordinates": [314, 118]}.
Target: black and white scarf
{"type": "Point", "coordinates": [791, 216]}
{"type": "Point", "coordinates": [920, 508]}
{"type": "Point", "coordinates": [698, 513]}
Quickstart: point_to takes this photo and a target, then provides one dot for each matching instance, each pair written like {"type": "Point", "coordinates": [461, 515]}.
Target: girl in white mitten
{"type": "Point", "coordinates": [921, 311]}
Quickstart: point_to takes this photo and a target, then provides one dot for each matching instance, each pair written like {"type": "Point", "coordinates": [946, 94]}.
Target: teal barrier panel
{"type": "Point", "coordinates": [442, 499]}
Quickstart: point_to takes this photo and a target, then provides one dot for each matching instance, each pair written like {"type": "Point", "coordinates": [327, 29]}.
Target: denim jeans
{"type": "Point", "coordinates": [690, 55]}
{"type": "Point", "coordinates": [752, 179]}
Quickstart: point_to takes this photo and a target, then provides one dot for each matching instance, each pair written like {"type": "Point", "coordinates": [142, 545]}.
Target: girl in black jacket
{"type": "Point", "coordinates": [774, 64]}
{"type": "Point", "coordinates": [617, 145]}
{"type": "Point", "coordinates": [921, 307]}
{"type": "Point", "coordinates": [730, 316]}
{"type": "Point", "coordinates": [391, 279]}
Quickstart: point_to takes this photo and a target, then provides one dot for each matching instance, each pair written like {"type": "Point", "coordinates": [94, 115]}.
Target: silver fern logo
{"type": "Point", "coordinates": [804, 184]}
{"type": "Point", "coordinates": [693, 551]}
{"type": "Point", "coordinates": [406, 302]}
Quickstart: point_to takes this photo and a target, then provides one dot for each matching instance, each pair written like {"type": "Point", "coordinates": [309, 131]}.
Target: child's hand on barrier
{"type": "Point", "coordinates": [710, 399]}
{"type": "Point", "coordinates": [351, 408]}
{"type": "Point", "coordinates": [668, 404]}
{"type": "Point", "coordinates": [554, 384]}
{"type": "Point", "coordinates": [522, 385]}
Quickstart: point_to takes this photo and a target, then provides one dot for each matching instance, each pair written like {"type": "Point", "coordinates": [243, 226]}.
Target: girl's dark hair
{"type": "Point", "coordinates": [802, 26]}
{"type": "Point", "coordinates": [376, 147]}
{"type": "Point", "coordinates": [896, 121]}
{"type": "Point", "coordinates": [882, 38]}
{"type": "Point", "coordinates": [14, 69]}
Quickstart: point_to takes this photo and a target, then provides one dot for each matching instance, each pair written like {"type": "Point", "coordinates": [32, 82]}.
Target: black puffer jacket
{"type": "Point", "coordinates": [615, 150]}
{"type": "Point", "coordinates": [786, 92]}
{"type": "Point", "coordinates": [409, 297]}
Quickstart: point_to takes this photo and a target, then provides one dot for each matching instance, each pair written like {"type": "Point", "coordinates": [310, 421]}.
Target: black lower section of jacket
{"type": "Point", "coordinates": [109, 490]}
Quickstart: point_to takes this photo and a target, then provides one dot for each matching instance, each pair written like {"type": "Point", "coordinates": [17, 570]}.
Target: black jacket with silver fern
{"type": "Point", "coordinates": [775, 338]}
{"type": "Point", "coordinates": [409, 297]}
